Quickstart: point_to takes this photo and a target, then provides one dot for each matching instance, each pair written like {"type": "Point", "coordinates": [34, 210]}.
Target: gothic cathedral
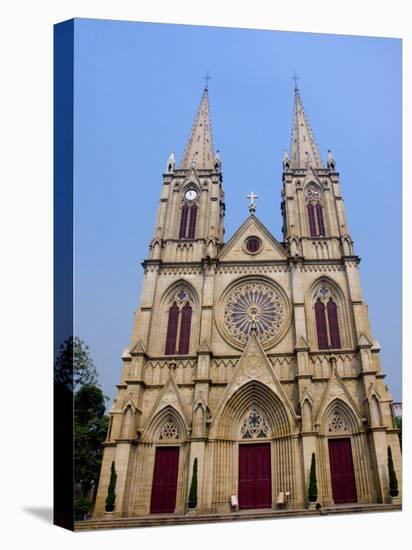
{"type": "Point", "coordinates": [251, 356]}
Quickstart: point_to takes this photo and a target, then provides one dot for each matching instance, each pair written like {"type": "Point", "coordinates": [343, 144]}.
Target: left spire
{"type": "Point", "coordinates": [199, 148]}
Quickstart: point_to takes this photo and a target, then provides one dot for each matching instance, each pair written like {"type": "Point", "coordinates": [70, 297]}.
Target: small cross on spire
{"type": "Point", "coordinates": [252, 197]}
{"type": "Point", "coordinates": [295, 78]}
{"type": "Point", "coordinates": [206, 79]}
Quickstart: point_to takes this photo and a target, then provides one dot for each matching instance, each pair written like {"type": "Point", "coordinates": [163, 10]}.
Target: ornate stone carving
{"type": "Point", "coordinates": [253, 269]}
{"type": "Point", "coordinates": [313, 193]}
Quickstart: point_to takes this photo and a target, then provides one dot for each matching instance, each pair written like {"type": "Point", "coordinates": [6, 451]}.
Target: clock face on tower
{"type": "Point", "coordinates": [190, 195]}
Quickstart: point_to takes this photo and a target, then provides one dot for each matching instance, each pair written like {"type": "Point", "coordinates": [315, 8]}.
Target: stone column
{"type": "Point", "coordinates": [104, 479]}
{"type": "Point", "coordinates": [380, 459]}
{"type": "Point", "coordinates": [122, 461]}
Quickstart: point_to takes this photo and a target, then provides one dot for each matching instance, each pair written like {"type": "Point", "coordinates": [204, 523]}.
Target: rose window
{"type": "Point", "coordinates": [254, 426]}
{"type": "Point", "coordinates": [254, 306]}
{"type": "Point", "coordinates": [337, 424]}
{"type": "Point", "coordinates": [169, 431]}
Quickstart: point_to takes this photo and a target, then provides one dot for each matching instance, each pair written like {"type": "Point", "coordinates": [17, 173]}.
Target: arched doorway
{"type": "Point", "coordinates": [254, 453]}
{"type": "Point", "coordinates": [167, 434]}
{"type": "Point", "coordinates": [255, 472]}
{"type": "Point", "coordinates": [342, 472]}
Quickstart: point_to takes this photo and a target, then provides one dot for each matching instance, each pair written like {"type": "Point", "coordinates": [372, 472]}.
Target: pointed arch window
{"type": "Point", "coordinates": [321, 325]}
{"type": "Point", "coordinates": [327, 320]}
{"type": "Point", "coordinates": [172, 325]}
{"type": "Point", "coordinates": [334, 335]}
{"type": "Point", "coordinates": [183, 221]}
{"type": "Point", "coordinates": [312, 223]}
{"type": "Point", "coordinates": [319, 219]}
{"type": "Point", "coordinates": [192, 222]}
{"type": "Point", "coordinates": [313, 199]}
{"type": "Point", "coordinates": [179, 324]}
{"type": "Point", "coordinates": [188, 216]}
{"type": "Point", "coordinates": [186, 321]}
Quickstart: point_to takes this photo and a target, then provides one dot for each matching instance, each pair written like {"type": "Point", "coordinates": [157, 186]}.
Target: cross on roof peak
{"type": "Point", "coordinates": [295, 78]}
{"type": "Point", "coordinates": [206, 78]}
{"type": "Point", "coordinates": [252, 197]}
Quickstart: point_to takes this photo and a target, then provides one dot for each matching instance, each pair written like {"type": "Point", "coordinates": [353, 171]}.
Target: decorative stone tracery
{"type": "Point", "coordinates": [169, 431]}
{"type": "Point", "coordinates": [254, 425]}
{"type": "Point", "coordinates": [337, 424]}
{"type": "Point", "coordinates": [313, 193]}
{"type": "Point", "coordinates": [254, 305]}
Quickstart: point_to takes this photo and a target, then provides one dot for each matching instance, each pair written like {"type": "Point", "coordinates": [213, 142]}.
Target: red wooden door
{"type": "Point", "coordinates": [341, 469]}
{"type": "Point", "coordinates": [255, 485]}
{"type": "Point", "coordinates": [164, 480]}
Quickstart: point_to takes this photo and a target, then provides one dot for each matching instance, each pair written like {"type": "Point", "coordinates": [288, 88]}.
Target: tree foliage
{"type": "Point", "coordinates": [90, 427]}
{"type": "Point", "coordinates": [192, 503]}
{"type": "Point", "coordinates": [82, 506]}
{"type": "Point", "coordinates": [313, 485]}
{"type": "Point", "coordinates": [393, 480]}
{"type": "Point", "coordinates": [74, 366]}
{"type": "Point", "coordinates": [111, 495]}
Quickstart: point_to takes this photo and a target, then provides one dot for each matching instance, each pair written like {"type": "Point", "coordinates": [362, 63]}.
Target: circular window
{"type": "Point", "coordinates": [253, 244]}
{"type": "Point", "coordinates": [254, 304]}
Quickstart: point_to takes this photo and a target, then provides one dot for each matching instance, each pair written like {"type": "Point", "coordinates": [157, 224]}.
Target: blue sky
{"type": "Point", "coordinates": [137, 88]}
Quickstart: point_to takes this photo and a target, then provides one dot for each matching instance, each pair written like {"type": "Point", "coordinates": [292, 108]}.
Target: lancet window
{"type": "Point", "coordinates": [179, 324]}
{"type": "Point", "coordinates": [313, 199]}
{"type": "Point", "coordinates": [327, 320]}
{"type": "Point", "coordinates": [188, 218]}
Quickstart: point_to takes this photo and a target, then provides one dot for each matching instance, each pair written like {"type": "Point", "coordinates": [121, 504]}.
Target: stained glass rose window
{"type": "Point", "coordinates": [254, 305]}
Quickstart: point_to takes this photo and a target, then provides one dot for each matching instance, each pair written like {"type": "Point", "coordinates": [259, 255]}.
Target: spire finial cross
{"type": "Point", "coordinates": [252, 197]}
{"type": "Point", "coordinates": [295, 78]}
{"type": "Point", "coordinates": [206, 78]}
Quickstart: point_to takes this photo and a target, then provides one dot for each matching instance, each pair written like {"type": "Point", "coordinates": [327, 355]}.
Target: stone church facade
{"type": "Point", "coordinates": [249, 355]}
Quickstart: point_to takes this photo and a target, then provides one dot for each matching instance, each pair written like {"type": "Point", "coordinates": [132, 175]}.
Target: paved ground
{"type": "Point", "coordinates": [171, 519]}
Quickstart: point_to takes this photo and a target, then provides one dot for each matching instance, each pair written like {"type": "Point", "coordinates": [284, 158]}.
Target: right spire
{"type": "Point", "coordinates": [303, 149]}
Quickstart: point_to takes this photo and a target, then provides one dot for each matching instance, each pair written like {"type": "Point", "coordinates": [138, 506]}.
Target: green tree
{"type": "Point", "coordinates": [313, 486]}
{"type": "Point", "coordinates": [74, 366]}
{"type": "Point", "coordinates": [82, 507]}
{"type": "Point", "coordinates": [111, 495]}
{"type": "Point", "coordinates": [192, 503]}
{"type": "Point", "coordinates": [393, 480]}
{"type": "Point", "coordinates": [90, 428]}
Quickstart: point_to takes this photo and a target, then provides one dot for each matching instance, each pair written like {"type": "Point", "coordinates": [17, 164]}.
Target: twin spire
{"type": "Point", "coordinates": [199, 149]}
{"type": "Point", "coordinates": [303, 148]}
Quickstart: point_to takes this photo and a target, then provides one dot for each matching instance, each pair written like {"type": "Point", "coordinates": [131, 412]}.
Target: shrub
{"type": "Point", "coordinates": [393, 481]}
{"type": "Point", "coordinates": [313, 486]}
{"type": "Point", "coordinates": [111, 495]}
{"type": "Point", "coordinates": [193, 487]}
{"type": "Point", "coordinates": [82, 506]}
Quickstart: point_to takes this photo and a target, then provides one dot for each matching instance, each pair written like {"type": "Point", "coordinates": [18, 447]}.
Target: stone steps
{"type": "Point", "coordinates": [171, 519]}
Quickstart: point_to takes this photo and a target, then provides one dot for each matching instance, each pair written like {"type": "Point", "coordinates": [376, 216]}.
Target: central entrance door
{"type": "Point", "coordinates": [341, 469]}
{"type": "Point", "coordinates": [165, 480]}
{"type": "Point", "coordinates": [255, 480]}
